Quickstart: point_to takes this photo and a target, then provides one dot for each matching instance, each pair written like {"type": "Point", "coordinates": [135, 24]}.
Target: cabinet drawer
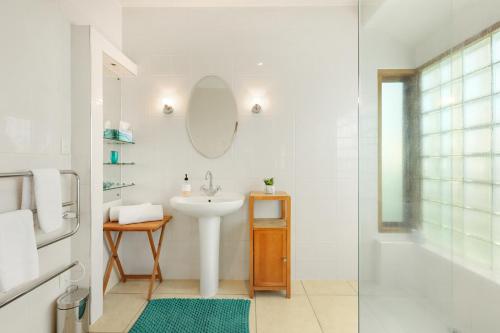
{"type": "Point", "coordinates": [270, 259]}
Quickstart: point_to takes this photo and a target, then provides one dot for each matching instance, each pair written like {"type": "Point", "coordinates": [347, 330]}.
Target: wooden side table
{"type": "Point", "coordinates": [114, 260]}
{"type": "Point", "coordinates": [270, 260]}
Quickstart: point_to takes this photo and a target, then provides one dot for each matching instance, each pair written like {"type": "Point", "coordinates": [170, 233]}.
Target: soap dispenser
{"type": "Point", "coordinates": [186, 187]}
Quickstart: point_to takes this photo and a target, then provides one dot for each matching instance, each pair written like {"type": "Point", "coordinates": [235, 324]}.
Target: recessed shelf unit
{"type": "Point", "coordinates": [118, 142]}
{"type": "Point", "coordinates": [115, 187]}
{"type": "Point", "coordinates": [120, 163]}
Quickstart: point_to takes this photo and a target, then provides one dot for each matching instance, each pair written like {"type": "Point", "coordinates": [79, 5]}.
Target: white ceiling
{"type": "Point", "coordinates": [237, 3]}
{"type": "Point", "coordinates": [412, 21]}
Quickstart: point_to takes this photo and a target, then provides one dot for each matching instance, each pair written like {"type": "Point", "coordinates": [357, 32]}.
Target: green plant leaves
{"type": "Point", "coordinates": [269, 181]}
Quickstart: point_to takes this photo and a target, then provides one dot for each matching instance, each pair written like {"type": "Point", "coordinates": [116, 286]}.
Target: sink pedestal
{"type": "Point", "coordinates": [209, 255]}
{"type": "Point", "coordinates": [208, 211]}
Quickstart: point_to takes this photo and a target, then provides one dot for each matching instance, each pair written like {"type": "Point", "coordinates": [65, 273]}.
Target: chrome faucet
{"type": "Point", "coordinates": [211, 190]}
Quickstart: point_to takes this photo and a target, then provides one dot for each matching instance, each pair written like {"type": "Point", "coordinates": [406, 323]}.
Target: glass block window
{"type": "Point", "coordinates": [460, 152]}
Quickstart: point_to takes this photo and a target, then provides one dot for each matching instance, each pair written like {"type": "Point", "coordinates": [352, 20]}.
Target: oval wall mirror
{"type": "Point", "coordinates": [212, 117]}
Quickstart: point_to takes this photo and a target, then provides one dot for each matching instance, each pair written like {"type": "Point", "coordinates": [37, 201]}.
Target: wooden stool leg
{"type": "Point", "coordinates": [123, 276]}
{"type": "Point", "coordinates": [107, 274]}
{"type": "Point", "coordinates": [156, 263]}
{"type": "Point", "coordinates": [113, 258]}
{"type": "Point", "coordinates": [153, 250]}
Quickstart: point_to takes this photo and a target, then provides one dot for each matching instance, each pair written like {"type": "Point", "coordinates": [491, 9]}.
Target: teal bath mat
{"type": "Point", "coordinates": [183, 315]}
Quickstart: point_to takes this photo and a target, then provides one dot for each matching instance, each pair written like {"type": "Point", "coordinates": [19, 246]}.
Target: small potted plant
{"type": "Point", "coordinates": [269, 185]}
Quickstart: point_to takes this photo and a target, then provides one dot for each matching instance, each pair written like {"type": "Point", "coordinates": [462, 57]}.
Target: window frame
{"type": "Point", "coordinates": [387, 76]}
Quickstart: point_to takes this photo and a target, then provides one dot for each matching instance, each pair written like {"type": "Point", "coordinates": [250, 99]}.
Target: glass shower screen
{"type": "Point", "coordinates": [429, 166]}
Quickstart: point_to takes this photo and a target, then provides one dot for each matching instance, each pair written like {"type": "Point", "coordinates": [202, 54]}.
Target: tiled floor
{"type": "Point", "coordinates": [315, 306]}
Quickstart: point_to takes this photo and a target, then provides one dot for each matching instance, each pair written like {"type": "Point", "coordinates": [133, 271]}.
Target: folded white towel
{"type": "Point", "coordinates": [47, 189]}
{"type": "Point", "coordinates": [134, 214]}
{"type": "Point", "coordinates": [18, 252]}
{"type": "Point", "coordinates": [114, 212]}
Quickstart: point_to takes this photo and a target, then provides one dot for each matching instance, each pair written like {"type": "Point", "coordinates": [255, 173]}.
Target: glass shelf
{"type": "Point", "coordinates": [118, 142]}
{"type": "Point", "coordinates": [114, 187]}
{"type": "Point", "coordinates": [121, 163]}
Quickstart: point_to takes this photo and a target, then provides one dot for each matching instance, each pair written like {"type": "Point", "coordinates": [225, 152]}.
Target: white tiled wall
{"type": "Point", "coordinates": [306, 137]}
{"type": "Point", "coordinates": [35, 122]}
{"type": "Point", "coordinates": [105, 16]}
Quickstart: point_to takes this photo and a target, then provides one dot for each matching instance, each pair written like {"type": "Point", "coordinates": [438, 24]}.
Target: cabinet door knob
{"type": "Point", "coordinates": [284, 259]}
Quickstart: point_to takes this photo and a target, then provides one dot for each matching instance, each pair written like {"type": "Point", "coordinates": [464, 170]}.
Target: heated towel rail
{"type": "Point", "coordinates": [23, 290]}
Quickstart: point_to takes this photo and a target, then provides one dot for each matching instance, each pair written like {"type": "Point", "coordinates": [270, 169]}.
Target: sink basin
{"type": "Point", "coordinates": [204, 206]}
{"type": "Point", "coordinates": [209, 210]}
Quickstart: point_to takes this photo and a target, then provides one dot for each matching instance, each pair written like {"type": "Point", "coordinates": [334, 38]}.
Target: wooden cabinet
{"type": "Point", "coordinates": [270, 246]}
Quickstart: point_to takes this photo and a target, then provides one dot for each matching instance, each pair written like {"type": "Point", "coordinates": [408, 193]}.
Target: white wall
{"type": "Point", "coordinates": [306, 137]}
{"type": "Point", "coordinates": [35, 124]}
{"type": "Point", "coordinates": [464, 21]}
{"type": "Point", "coordinates": [35, 120]}
{"type": "Point", "coordinates": [104, 15]}
{"type": "Point", "coordinates": [90, 51]}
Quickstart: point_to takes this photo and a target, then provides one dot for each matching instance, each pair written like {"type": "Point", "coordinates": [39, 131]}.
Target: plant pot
{"type": "Point", "coordinates": [270, 189]}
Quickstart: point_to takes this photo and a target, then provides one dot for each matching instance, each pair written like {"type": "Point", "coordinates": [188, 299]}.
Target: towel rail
{"type": "Point", "coordinates": [64, 204]}
{"type": "Point", "coordinates": [19, 292]}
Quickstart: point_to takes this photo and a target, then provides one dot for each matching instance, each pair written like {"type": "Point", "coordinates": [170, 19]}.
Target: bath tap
{"type": "Point", "coordinates": [211, 190]}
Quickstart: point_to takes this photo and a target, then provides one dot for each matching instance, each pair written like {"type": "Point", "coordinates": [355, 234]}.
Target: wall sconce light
{"type": "Point", "coordinates": [257, 108]}
{"type": "Point", "coordinates": [257, 105]}
{"type": "Point", "coordinates": [168, 105]}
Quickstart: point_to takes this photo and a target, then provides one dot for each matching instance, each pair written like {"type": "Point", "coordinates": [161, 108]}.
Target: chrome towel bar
{"type": "Point", "coordinates": [65, 204]}
{"type": "Point", "coordinates": [23, 290]}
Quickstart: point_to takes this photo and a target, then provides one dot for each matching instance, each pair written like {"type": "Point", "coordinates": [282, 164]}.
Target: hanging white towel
{"type": "Point", "coordinates": [18, 252]}
{"type": "Point", "coordinates": [114, 212]}
{"type": "Point", "coordinates": [47, 189]}
{"type": "Point", "coordinates": [134, 214]}
{"type": "Point", "coordinates": [27, 193]}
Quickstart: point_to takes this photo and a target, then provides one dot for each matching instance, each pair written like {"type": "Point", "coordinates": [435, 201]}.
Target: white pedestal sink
{"type": "Point", "coordinates": [209, 210]}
